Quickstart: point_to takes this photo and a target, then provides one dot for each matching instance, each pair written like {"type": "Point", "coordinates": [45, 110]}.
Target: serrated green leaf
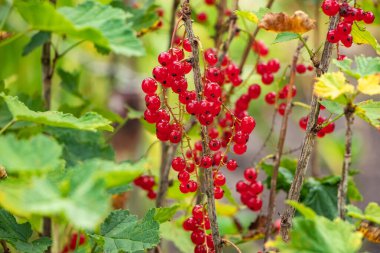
{"type": "Point", "coordinates": [164, 214]}
{"type": "Point", "coordinates": [90, 121]}
{"type": "Point", "coordinates": [332, 85]}
{"type": "Point", "coordinates": [371, 212]}
{"type": "Point", "coordinates": [18, 235]}
{"type": "Point", "coordinates": [112, 173]}
{"type": "Point", "coordinates": [101, 24]}
{"type": "Point", "coordinates": [321, 197]}
{"type": "Point", "coordinates": [36, 41]}
{"type": "Point", "coordinates": [250, 16]}
{"type": "Point", "coordinates": [35, 155]}
{"type": "Point", "coordinates": [79, 146]}
{"type": "Point", "coordinates": [142, 18]}
{"type": "Point", "coordinates": [369, 85]}
{"type": "Point", "coordinates": [332, 106]}
{"type": "Point", "coordinates": [122, 231]}
{"type": "Point", "coordinates": [367, 65]}
{"type": "Point", "coordinates": [285, 36]}
{"type": "Point", "coordinates": [285, 174]}
{"type": "Point", "coordinates": [361, 36]}
{"type": "Point", "coordinates": [320, 235]}
{"type": "Point", "coordinates": [76, 196]}
{"type": "Point", "coordinates": [169, 231]}
{"type": "Point", "coordinates": [369, 111]}
{"type": "Point", "coordinates": [345, 66]}
{"type": "Point", "coordinates": [69, 81]}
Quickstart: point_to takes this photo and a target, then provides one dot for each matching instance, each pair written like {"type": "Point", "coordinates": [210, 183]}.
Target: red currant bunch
{"type": "Point", "coordinates": [198, 224]}
{"type": "Point", "coordinates": [250, 189]}
{"type": "Point", "coordinates": [260, 48]}
{"type": "Point", "coordinates": [185, 171]}
{"type": "Point", "coordinates": [348, 15]}
{"type": "Point", "coordinates": [146, 183]}
{"type": "Point", "coordinates": [329, 128]}
{"type": "Point", "coordinates": [266, 70]}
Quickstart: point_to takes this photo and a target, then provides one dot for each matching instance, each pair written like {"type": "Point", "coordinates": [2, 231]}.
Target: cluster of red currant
{"type": "Point", "coordinates": [250, 190]}
{"type": "Point", "coordinates": [266, 70]}
{"type": "Point", "coordinates": [184, 172]}
{"type": "Point", "coordinates": [301, 68]}
{"type": "Point", "coordinates": [348, 15]}
{"type": "Point", "coordinates": [329, 128]}
{"type": "Point", "coordinates": [198, 224]}
{"type": "Point", "coordinates": [74, 243]}
{"type": "Point", "coordinates": [146, 183]}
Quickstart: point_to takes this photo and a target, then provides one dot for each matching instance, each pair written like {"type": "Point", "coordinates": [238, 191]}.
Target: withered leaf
{"type": "Point", "coordinates": [299, 22]}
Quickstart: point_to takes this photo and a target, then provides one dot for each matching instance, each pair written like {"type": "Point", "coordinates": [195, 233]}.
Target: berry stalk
{"type": "Point", "coordinates": [207, 180]}
{"type": "Point", "coordinates": [309, 139]}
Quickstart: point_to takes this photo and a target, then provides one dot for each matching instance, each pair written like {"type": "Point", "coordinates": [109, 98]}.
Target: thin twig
{"type": "Point", "coordinates": [308, 141]}
{"type": "Point", "coordinates": [342, 190]}
{"type": "Point", "coordinates": [232, 244]}
{"type": "Point", "coordinates": [280, 145]}
{"type": "Point", "coordinates": [221, 6]}
{"type": "Point", "coordinates": [207, 180]}
{"type": "Point", "coordinates": [231, 34]}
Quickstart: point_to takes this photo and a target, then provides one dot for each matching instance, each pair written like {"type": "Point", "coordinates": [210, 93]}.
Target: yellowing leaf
{"type": "Point", "coordinates": [225, 209]}
{"type": "Point", "coordinates": [299, 22]}
{"type": "Point", "coordinates": [332, 85]}
{"type": "Point", "coordinates": [362, 36]}
{"type": "Point", "coordinates": [250, 16]}
{"type": "Point", "coordinates": [369, 85]}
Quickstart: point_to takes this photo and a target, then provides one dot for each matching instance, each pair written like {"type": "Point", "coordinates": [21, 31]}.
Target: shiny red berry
{"type": "Point", "coordinates": [330, 7]}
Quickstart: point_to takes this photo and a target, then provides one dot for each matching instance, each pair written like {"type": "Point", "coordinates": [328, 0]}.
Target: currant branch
{"type": "Point", "coordinates": [281, 142]}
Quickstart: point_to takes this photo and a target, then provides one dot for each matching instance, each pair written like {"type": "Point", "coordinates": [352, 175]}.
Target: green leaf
{"type": "Point", "coordinates": [112, 173]}
{"type": "Point", "coordinates": [90, 121]}
{"type": "Point", "coordinates": [322, 197]}
{"type": "Point", "coordinates": [134, 114]}
{"type": "Point", "coordinates": [371, 212]}
{"type": "Point", "coordinates": [320, 235]}
{"type": "Point", "coordinates": [367, 65]}
{"type": "Point", "coordinates": [285, 36]}
{"type": "Point", "coordinates": [122, 231]}
{"type": "Point", "coordinates": [36, 41]}
{"type": "Point", "coordinates": [164, 214]}
{"type": "Point", "coordinates": [76, 196]}
{"type": "Point", "coordinates": [261, 12]}
{"type": "Point", "coordinates": [69, 81]}
{"type": "Point", "coordinates": [369, 111]}
{"type": "Point", "coordinates": [285, 174]}
{"type": "Point", "coordinates": [361, 36]}
{"type": "Point", "coordinates": [332, 106]}
{"type": "Point", "coordinates": [81, 145]}
{"type": "Point", "coordinates": [353, 192]}
{"type": "Point", "coordinates": [332, 85]}
{"type": "Point", "coordinates": [18, 235]}
{"type": "Point", "coordinates": [228, 195]}
{"type": "Point", "coordinates": [142, 18]}
{"type": "Point", "coordinates": [120, 189]}
{"type": "Point", "coordinates": [101, 24]}
{"type": "Point", "coordinates": [250, 16]}
{"type": "Point", "coordinates": [304, 210]}
{"type": "Point", "coordinates": [345, 66]}
{"type": "Point", "coordinates": [169, 231]}
{"type": "Point", "coordinates": [35, 155]}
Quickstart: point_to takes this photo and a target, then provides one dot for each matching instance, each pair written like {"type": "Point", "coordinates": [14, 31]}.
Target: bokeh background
{"type": "Point", "coordinates": [111, 82]}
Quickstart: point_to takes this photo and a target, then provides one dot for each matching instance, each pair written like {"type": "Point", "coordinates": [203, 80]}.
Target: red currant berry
{"type": "Point", "coordinates": [214, 144]}
{"type": "Point", "coordinates": [219, 179]}
{"type": "Point", "coordinates": [250, 174]}
{"type": "Point", "coordinates": [300, 68]}
{"type": "Point", "coordinates": [151, 194]}
{"type": "Point", "coordinates": [281, 109]}
{"type": "Point", "coordinates": [333, 36]}
{"type": "Point", "coordinates": [192, 186]}
{"type": "Point", "coordinates": [198, 211]}
{"type": "Point", "coordinates": [218, 193]}
{"type": "Point", "coordinates": [303, 122]}
{"type": "Point", "coordinates": [247, 124]}
{"type": "Point", "coordinates": [186, 45]}
{"type": "Point", "coordinates": [189, 224]}
{"type": "Point", "coordinates": [178, 164]}
{"type": "Point", "coordinates": [344, 28]}
{"type": "Point", "coordinates": [202, 17]}
{"type": "Point", "coordinates": [273, 65]}
{"type": "Point", "coordinates": [368, 17]}
{"type": "Point", "coordinates": [330, 7]}
{"type": "Point", "coordinates": [149, 86]}
{"type": "Point", "coordinates": [270, 98]}
{"type": "Point", "coordinates": [200, 249]}
{"type": "Point", "coordinates": [267, 78]}
{"type": "Point", "coordinates": [210, 2]}
{"type": "Point", "coordinates": [347, 40]}
{"type": "Point", "coordinates": [240, 149]}
{"type": "Point", "coordinates": [206, 162]}
{"type": "Point", "coordinates": [241, 186]}
{"type": "Point", "coordinates": [151, 116]}
{"type": "Point", "coordinates": [255, 204]}
{"type": "Point", "coordinates": [257, 188]}
{"type": "Point", "coordinates": [254, 91]}
{"type": "Point", "coordinates": [231, 165]}
{"type": "Point", "coordinates": [198, 237]}
{"type": "Point", "coordinates": [183, 176]}
{"type": "Point", "coordinates": [165, 58]}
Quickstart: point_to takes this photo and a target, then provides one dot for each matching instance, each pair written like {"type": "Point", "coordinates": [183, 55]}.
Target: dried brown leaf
{"type": "Point", "coordinates": [299, 22]}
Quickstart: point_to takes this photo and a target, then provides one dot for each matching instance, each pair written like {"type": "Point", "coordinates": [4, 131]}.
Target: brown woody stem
{"type": "Point", "coordinates": [309, 139]}
{"type": "Point", "coordinates": [342, 190]}
{"type": "Point", "coordinates": [207, 179]}
{"type": "Point", "coordinates": [280, 145]}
